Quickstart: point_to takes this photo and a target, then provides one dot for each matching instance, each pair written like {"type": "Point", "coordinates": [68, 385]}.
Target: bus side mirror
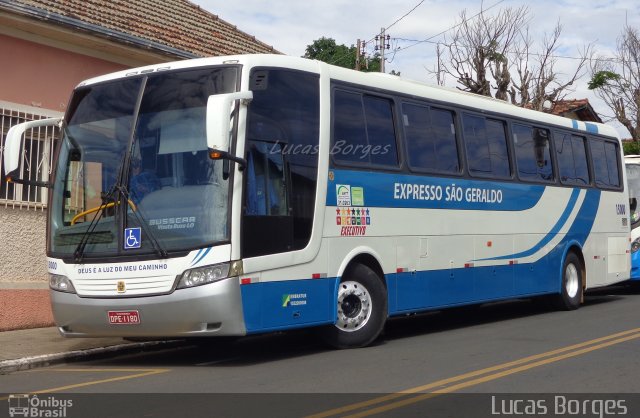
{"type": "Point", "coordinates": [12, 148]}
{"type": "Point", "coordinates": [219, 108]}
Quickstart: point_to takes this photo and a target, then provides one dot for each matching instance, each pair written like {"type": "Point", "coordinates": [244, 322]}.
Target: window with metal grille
{"type": "Point", "coordinates": [36, 158]}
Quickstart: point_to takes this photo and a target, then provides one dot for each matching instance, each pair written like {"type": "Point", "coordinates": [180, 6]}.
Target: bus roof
{"type": "Point", "coordinates": [380, 81]}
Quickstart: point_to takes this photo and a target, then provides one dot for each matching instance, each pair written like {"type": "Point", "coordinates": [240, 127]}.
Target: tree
{"type": "Point", "coordinates": [326, 50]}
{"type": "Point", "coordinates": [493, 56]}
{"type": "Point", "coordinates": [617, 81]}
{"type": "Point", "coordinates": [537, 80]}
{"type": "Point", "coordinates": [479, 44]}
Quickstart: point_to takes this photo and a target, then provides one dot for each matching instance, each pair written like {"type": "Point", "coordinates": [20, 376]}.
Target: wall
{"type": "Point", "coordinates": [24, 295]}
{"type": "Point", "coordinates": [43, 76]}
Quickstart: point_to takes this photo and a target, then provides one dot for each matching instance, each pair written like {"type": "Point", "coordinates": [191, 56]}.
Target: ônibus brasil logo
{"type": "Point", "coordinates": [31, 406]}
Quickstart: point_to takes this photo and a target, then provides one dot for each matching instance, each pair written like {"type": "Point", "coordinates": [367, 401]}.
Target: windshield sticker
{"type": "Point", "coordinates": [132, 238]}
{"type": "Point", "coordinates": [343, 194]}
{"type": "Point", "coordinates": [357, 196]}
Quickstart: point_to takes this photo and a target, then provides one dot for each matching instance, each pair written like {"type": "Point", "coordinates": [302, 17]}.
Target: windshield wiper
{"type": "Point", "coordinates": [157, 247]}
{"type": "Point", "coordinates": [78, 254]}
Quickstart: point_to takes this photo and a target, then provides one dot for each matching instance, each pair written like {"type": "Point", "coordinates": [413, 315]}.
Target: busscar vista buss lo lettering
{"type": "Point", "coordinates": [248, 194]}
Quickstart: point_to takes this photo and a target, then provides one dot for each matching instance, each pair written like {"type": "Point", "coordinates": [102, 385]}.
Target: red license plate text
{"type": "Point", "coordinates": [124, 317]}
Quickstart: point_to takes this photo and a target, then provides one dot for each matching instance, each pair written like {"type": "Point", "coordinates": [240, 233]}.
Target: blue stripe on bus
{"type": "Point", "coordinates": [273, 306]}
{"type": "Point", "coordinates": [200, 255]}
{"type": "Point", "coordinates": [294, 304]}
{"type": "Point", "coordinates": [582, 225]}
{"type": "Point", "coordinates": [409, 191]}
{"type": "Point", "coordinates": [436, 289]}
{"type": "Point", "coordinates": [593, 128]}
{"type": "Point", "coordinates": [575, 124]}
{"type": "Point", "coordinates": [555, 230]}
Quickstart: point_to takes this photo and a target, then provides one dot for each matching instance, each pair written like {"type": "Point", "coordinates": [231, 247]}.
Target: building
{"type": "Point", "coordinates": [48, 48]}
{"type": "Point", "coordinates": [578, 109]}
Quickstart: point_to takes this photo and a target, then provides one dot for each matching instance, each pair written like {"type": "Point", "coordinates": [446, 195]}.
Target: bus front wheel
{"type": "Point", "coordinates": [361, 309]}
{"type": "Point", "coordinates": [570, 295]}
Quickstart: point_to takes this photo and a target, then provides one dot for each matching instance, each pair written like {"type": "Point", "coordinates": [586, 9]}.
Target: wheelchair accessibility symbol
{"type": "Point", "coordinates": [132, 238]}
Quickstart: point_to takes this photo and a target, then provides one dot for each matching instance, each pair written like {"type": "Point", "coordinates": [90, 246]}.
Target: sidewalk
{"type": "Point", "coordinates": [29, 348]}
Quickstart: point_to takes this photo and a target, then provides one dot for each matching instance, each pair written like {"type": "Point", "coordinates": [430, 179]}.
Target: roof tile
{"type": "Point", "coordinates": [178, 24]}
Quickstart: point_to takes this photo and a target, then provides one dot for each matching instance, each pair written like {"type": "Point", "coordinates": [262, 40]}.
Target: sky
{"type": "Point", "coordinates": [289, 26]}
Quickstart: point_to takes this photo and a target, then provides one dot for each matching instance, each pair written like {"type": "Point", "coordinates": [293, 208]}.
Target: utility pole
{"type": "Point", "coordinates": [358, 56]}
{"type": "Point", "coordinates": [383, 44]}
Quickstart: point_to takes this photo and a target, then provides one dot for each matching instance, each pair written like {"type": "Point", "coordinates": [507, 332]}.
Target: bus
{"type": "Point", "coordinates": [18, 405]}
{"type": "Point", "coordinates": [237, 195]}
{"type": "Point", "coordinates": [632, 166]}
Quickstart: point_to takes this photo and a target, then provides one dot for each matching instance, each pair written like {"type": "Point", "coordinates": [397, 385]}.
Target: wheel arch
{"type": "Point", "coordinates": [365, 256]}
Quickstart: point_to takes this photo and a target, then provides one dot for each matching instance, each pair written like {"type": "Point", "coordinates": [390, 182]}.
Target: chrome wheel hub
{"type": "Point", "coordinates": [572, 283]}
{"type": "Point", "coordinates": [354, 306]}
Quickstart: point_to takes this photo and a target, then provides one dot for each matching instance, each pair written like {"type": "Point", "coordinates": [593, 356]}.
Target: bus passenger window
{"type": "Point", "coordinates": [532, 153]}
{"type": "Point", "coordinates": [486, 144]}
{"type": "Point", "coordinates": [363, 131]}
{"type": "Point", "coordinates": [572, 159]}
{"type": "Point", "coordinates": [605, 163]}
{"type": "Point", "coordinates": [431, 139]}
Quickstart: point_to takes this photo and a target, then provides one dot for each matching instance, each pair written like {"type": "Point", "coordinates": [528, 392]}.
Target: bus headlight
{"type": "Point", "coordinates": [61, 283]}
{"type": "Point", "coordinates": [203, 275]}
{"type": "Point", "coordinates": [635, 245]}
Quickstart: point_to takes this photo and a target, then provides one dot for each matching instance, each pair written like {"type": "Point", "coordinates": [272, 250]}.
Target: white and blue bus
{"type": "Point", "coordinates": [632, 165]}
{"type": "Point", "coordinates": [249, 194]}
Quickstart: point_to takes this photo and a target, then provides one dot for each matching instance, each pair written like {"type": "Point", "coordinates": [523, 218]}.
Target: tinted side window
{"type": "Point", "coordinates": [431, 139]}
{"type": "Point", "coordinates": [349, 127]}
{"type": "Point", "coordinates": [572, 159]}
{"type": "Point", "coordinates": [282, 161]}
{"type": "Point", "coordinates": [486, 146]}
{"type": "Point", "coordinates": [605, 163]}
{"type": "Point", "coordinates": [363, 131]}
{"type": "Point", "coordinates": [533, 156]}
{"type": "Point", "coordinates": [611, 151]}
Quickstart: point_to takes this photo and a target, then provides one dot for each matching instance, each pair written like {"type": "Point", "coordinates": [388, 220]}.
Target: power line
{"type": "Point", "coordinates": [405, 15]}
{"type": "Point", "coordinates": [453, 27]}
{"type": "Point", "coordinates": [338, 59]}
{"type": "Point", "coordinates": [609, 59]}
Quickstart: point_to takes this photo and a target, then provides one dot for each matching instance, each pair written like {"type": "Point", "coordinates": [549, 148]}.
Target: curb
{"type": "Point", "coordinates": [26, 363]}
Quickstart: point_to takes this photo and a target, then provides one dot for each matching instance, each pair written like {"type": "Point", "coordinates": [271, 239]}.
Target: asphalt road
{"type": "Point", "coordinates": [498, 359]}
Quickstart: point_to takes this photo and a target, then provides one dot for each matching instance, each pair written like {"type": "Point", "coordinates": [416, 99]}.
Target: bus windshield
{"type": "Point", "coordinates": [133, 172]}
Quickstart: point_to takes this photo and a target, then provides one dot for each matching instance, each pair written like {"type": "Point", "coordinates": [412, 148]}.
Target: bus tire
{"type": "Point", "coordinates": [570, 295]}
{"type": "Point", "coordinates": [361, 309]}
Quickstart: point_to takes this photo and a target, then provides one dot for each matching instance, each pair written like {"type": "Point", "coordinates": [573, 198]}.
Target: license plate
{"type": "Point", "coordinates": [124, 317]}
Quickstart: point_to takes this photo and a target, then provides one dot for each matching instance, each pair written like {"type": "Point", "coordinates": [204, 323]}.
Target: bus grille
{"type": "Point", "coordinates": [141, 286]}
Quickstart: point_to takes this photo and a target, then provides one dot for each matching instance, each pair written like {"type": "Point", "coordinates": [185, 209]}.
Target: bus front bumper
{"type": "Point", "coordinates": [208, 310]}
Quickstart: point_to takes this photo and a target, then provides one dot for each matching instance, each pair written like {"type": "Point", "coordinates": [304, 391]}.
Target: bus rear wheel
{"type": "Point", "coordinates": [361, 309]}
{"type": "Point", "coordinates": [570, 295]}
